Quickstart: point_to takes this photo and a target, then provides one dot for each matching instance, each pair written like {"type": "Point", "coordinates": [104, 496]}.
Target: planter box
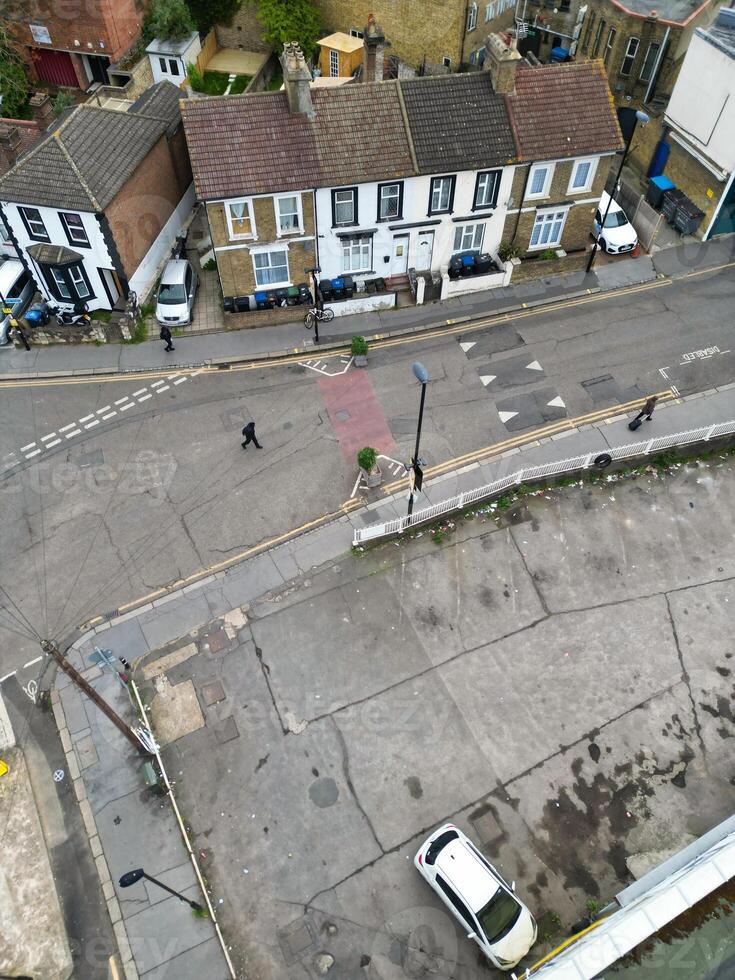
{"type": "Point", "coordinates": [360, 360]}
{"type": "Point", "coordinates": [373, 479]}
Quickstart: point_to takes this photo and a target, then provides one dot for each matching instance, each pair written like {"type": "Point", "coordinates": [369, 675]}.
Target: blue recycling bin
{"type": "Point", "coordinates": [657, 187]}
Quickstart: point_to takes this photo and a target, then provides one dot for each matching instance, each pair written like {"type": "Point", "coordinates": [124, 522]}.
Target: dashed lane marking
{"type": "Point", "coordinates": [108, 416]}
{"type": "Point", "coordinates": [120, 401]}
{"type": "Point", "coordinates": [34, 453]}
{"type": "Point", "coordinates": [165, 388]}
{"type": "Point", "coordinates": [155, 384]}
{"type": "Point", "coordinates": [91, 425]}
{"type": "Point", "coordinates": [124, 408]}
{"type": "Point", "coordinates": [49, 436]}
{"type": "Point", "coordinates": [179, 381]}
{"type": "Point", "coordinates": [29, 446]}
{"type": "Point", "coordinates": [144, 398]}
{"type": "Point", "coordinates": [105, 408]}
{"type": "Point", "coordinates": [56, 442]}
{"type": "Point", "coordinates": [140, 391]}
{"type": "Point", "coordinates": [86, 418]}
{"type": "Point", "coordinates": [65, 428]}
{"type": "Point", "coordinates": [70, 435]}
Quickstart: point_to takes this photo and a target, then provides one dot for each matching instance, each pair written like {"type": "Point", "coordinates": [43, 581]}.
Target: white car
{"type": "Point", "coordinates": [176, 293]}
{"type": "Point", "coordinates": [618, 235]}
{"type": "Point", "coordinates": [478, 897]}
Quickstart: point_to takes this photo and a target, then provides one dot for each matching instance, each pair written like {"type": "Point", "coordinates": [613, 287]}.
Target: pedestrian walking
{"type": "Point", "coordinates": [647, 409]}
{"type": "Point", "coordinates": [249, 433]}
{"type": "Point", "coordinates": [166, 335]}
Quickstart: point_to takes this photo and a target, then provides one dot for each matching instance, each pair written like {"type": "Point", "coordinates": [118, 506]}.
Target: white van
{"type": "Point", "coordinates": [17, 289]}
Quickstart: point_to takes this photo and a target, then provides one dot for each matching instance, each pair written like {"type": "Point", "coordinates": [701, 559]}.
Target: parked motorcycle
{"type": "Point", "coordinates": [40, 314]}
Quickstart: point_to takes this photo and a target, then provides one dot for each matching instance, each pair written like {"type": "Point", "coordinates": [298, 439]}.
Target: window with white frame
{"type": "Point", "coordinates": [472, 17]}
{"type": "Point", "coordinates": [74, 228]}
{"type": "Point", "coordinates": [288, 213]}
{"type": "Point", "coordinates": [271, 268]}
{"type": "Point", "coordinates": [486, 189]}
{"type": "Point", "coordinates": [344, 206]}
{"type": "Point", "coordinates": [489, 11]}
{"type": "Point", "coordinates": [583, 173]}
{"type": "Point", "coordinates": [609, 44]}
{"type": "Point", "coordinates": [389, 201]}
{"type": "Point", "coordinates": [355, 33]}
{"type": "Point", "coordinates": [649, 61]}
{"type": "Point", "coordinates": [547, 229]}
{"type": "Point", "coordinates": [468, 238]}
{"type": "Point", "coordinates": [334, 63]}
{"type": "Point", "coordinates": [630, 52]}
{"type": "Point", "coordinates": [447, 62]}
{"type": "Point", "coordinates": [442, 192]}
{"type": "Point", "coordinates": [540, 180]}
{"type": "Point", "coordinates": [357, 253]}
{"type": "Point", "coordinates": [79, 282]}
{"type": "Point", "coordinates": [61, 286]}
{"type": "Point", "coordinates": [240, 219]}
{"type": "Point", "coordinates": [34, 224]}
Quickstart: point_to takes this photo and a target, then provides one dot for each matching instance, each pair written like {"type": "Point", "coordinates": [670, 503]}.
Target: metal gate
{"type": "Point", "coordinates": [56, 67]}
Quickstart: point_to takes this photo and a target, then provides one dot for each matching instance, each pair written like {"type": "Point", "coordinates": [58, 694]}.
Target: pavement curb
{"type": "Point", "coordinates": [125, 952]}
{"type": "Point", "coordinates": [224, 363]}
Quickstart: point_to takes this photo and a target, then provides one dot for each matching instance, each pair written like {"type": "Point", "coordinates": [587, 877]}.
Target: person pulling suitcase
{"type": "Point", "coordinates": [646, 411]}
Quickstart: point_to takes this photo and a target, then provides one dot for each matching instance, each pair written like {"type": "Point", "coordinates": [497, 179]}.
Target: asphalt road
{"type": "Point", "coordinates": [111, 489]}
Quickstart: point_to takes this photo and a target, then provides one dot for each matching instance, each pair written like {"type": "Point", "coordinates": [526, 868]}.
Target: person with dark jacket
{"type": "Point", "coordinates": [648, 408]}
{"type": "Point", "coordinates": [166, 335]}
{"type": "Point", "coordinates": [249, 433]}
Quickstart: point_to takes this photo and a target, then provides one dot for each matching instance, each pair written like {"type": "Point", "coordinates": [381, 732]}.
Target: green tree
{"type": "Point", "coordinates": [64, 100]}
{"type": "Point", "coordinates": [168, 20]}
{"type": "Point", "coordinates": [13, 80]}
{"type": "Point", "coordinates": [290, 20]}
{"type": "Point", "coordinates": [207, 13]}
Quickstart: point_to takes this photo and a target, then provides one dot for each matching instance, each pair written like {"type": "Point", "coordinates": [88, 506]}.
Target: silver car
{"type": "Point", "coordinates": [17, 289]}
{"type": "Point", "coordinates": [176, 292]}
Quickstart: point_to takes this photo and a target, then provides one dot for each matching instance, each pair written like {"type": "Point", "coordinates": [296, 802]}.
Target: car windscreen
{"type": "Point", "coordinates": [616, 219]}
{"type": "Point", "coordinates": [439, 844]}
{"type": "Point", "coordinates": [499, 915]}
{"type": "Point", "coordinates": [171, 292]}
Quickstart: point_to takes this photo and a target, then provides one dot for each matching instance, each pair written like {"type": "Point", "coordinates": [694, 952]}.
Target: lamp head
{"type": "Point", "coordinates": [420, 372]}
{"type": "Point", "coordinates": [642, 117]}
{"type": "Point", "coordinates": [130, 877]}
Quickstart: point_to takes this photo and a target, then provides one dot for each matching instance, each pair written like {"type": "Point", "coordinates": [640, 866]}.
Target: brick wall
{"type": "Point", "coordinates": [143, 205]}
{"type": "Point", "coordinates": [180, 160]}
{"type": "Point", "coordinates": [244, 32]}
{"type": "Point", "coordinates": [695, 180]}
{"type": "Point", "coordinates": [235, 266]}
{"type": "Point", "coordinates": [431, 30]}
{"type": "Point", "coordinates": [576, 232]}
{"type": "Point", "coordinates": [89, 22]}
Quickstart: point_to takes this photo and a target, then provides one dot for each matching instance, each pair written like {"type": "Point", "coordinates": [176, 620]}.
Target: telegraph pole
{"type": "Point", "coordinates": [53, 651]}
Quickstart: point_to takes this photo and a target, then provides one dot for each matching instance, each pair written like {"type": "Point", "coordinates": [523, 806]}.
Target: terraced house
{"type": "Point", "coordinates": [399, 177]}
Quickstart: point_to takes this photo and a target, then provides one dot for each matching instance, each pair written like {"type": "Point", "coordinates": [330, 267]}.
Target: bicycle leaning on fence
{"type": "Point", "coordinates": [315, 315]}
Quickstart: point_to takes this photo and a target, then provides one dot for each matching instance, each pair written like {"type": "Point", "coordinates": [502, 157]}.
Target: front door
{"type": "Point", "coordinates": [399, 258]}
{"type": "Point", "coordinates": [424, 249]}
{"type": "Point", "coordinates": [98, 68]}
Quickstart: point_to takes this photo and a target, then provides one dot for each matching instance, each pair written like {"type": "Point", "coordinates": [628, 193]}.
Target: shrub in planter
{"type": "Point", "coordinates": [359, 350]}
{"type": "Point", "coordinates": [508, 252]}
{"type": "Point", "coordinates": [547, 253]}
{"type": "Point", "coordinates": [367, 460]}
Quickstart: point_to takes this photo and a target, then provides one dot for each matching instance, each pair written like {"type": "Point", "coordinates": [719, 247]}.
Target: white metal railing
{"type": "Point", "coordinates": [532, 473]}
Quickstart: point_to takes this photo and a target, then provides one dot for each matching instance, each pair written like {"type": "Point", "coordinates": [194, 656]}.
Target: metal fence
{"type": "Point", "coordinates": [533, 473]}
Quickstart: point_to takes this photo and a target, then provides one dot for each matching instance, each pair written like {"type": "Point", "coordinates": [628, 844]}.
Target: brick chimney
{"type": "Point", "coordinates": [42, 108]}
{"type": "Point", "coordinates": [9, 145]}
{"type": "Point", "coordinates": [501, 61]}
{"type": "Point", "coordinates": [374, 44]}
{"type": "Point", "coordinates": [297, 79]}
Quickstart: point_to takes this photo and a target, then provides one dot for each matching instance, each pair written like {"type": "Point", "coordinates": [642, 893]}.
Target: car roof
{"type": "Point", "coordinates": [9, 272]}
{"type": "Point", "coordinates": [467, 874]}
{"type": "Point", "coordinates": [174, 271]}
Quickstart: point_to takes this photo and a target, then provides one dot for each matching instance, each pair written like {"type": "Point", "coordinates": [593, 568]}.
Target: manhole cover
{"type": "Point", "coordinates": [213, 693]}
{"type": "Point", "coordinates": [296, 939]}
{"type": "Point", "coordinates": [324, 792]}
{"type": "Point", "coordinates": [226, 730]}
{"type": "Point", "coordinates": [217, 641]}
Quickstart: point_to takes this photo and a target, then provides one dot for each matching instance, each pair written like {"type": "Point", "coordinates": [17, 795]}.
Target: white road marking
{"type": "Point", "coordinates": [34, 453]}
{"type": "Point", "coordinates": [108, 416]}
{"type": "Point", "coordinates": [126, 407]}
{"type": "Point", "coordinates": [31, 663]}
{"type": "Point", "coordinates": [675, 390]}
{"type": "Point", "coordinates": [662, 372]}
{"type": "Point", "coordinates": [54, 443]}
{"type": "Point", "coordinates": [507, 416]}
{"type": "Point", "coordinates": [155, 384]}
{"type": "Point", "coordinates": [534, 366]}
{"type": "Point", "coordinates": [316, 365]}
{"type": "Point", "coordinates": [29, 446]}
{"type": "Point", "coordinates": [140, 391]}
{"type": "Point", "coordinates": [65, 428]}
{"type": "Point", "coordinates": [11, 674]}
{"type": "Point", "coordinates": [165, 388]}
{"type": "Point", "coordinates": [49, 436]}
{"type": "Point", "coordinates": [145, 397]}
{"type": "Point", "coordinates": [101, 410]}
{"type": "Point", "coordinates": [68, 435]}
{"type": "Point", "coordinates": [121, 400]}
{"type": "Point", "coordinates": [86, 419]}
{"type": "Point", "coordinates": [487, 378]}
{"type": "Point", "coordinates": [195, 373]}
{"type": "Point", "coordinates": [557, 402]}
{"type": "Point", "coordinates": [467, 344]}
{"type": "Point", "coordinates": [179, 381]}
{"type": "Point", "coordinates": [91, 425]}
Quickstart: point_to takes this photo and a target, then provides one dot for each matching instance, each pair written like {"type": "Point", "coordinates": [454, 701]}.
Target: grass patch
{"type": "Point", "coordinates": [240, 84]}
{"type": "Point", "coordinates": [139, 333]}
{"type": "Point", "coordinates": [276, 81]}
{"type": "Point", "coordinates": [216, 82]}
{"type": "Point", "coordinates": [102, 315]}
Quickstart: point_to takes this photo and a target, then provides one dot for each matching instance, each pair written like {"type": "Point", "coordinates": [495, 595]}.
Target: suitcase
{"type": "Point", "coordinates": [635, 424]}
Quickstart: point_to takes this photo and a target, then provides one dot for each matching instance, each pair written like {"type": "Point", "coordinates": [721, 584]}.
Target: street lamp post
{"type": "Point", "coordinates": [422, 376]}
{"type": "Point", "coordinates": [642, 118]}
{"type": "Point", "coordinates": [131, 877]}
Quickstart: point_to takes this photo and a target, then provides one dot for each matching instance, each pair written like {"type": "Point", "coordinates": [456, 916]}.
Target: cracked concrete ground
{"type": "Point", "coordinates": [558, 683]}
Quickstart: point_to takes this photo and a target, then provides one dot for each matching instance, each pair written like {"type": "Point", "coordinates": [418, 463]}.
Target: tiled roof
{"type": "Point", "coordinates": [252, 144]}
{"type": "Point", "coordinates": [84, 163]}
{"type": "Point", "coordinates": [458, 123]}
{"type": "Point", "coordinates": [563, 111]}
{"type": "Point", "coordinates": [160, 101]}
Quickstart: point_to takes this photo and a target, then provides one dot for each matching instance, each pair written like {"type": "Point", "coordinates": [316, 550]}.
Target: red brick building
{"type": "Point", "coordinates": [72, 43]}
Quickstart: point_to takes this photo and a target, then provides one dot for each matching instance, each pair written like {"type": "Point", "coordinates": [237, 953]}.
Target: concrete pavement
{"type": "Point", "coordinates": [287, 338]}
{"type": "Point", "coordinates": [212, 632]}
